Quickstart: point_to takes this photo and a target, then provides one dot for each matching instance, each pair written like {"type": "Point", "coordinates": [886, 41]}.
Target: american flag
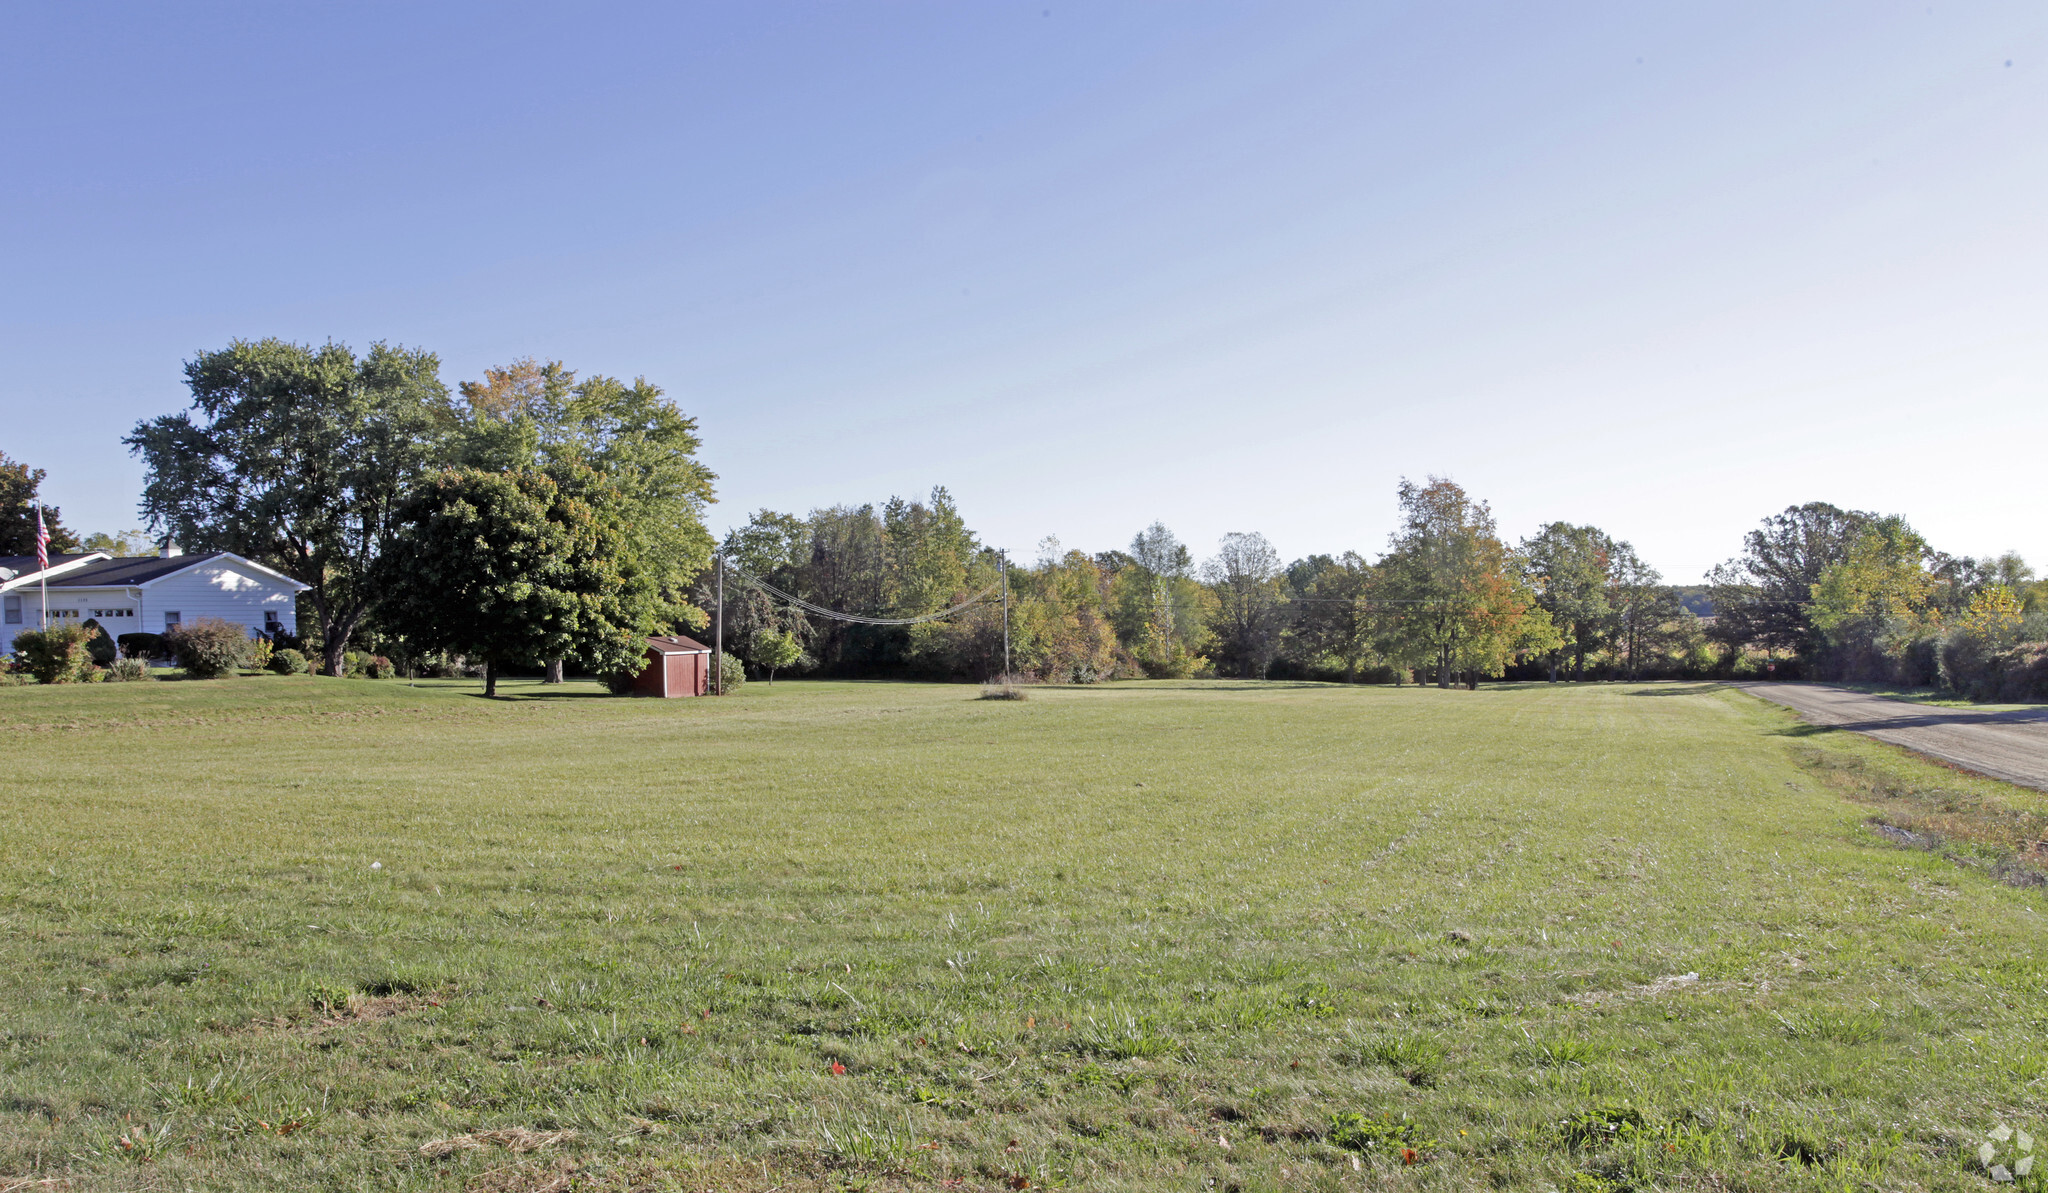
{"type": "Point", "coordinates": [42, 542]}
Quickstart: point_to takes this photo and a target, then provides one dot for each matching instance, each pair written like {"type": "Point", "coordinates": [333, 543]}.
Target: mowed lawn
{"type": "Point", "coordinates": [321, 934]}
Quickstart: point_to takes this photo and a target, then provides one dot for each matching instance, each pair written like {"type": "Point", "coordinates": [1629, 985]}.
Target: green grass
{"type": "Point", "coordinates": [283, 933]}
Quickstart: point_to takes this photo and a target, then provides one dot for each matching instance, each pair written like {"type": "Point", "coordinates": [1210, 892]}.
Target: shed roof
{"type": "Point", "coordinates": [677, 644]}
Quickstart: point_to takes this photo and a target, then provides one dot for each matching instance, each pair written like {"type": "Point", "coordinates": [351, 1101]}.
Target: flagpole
{"type": "Point", "coordinates": [43, 551]}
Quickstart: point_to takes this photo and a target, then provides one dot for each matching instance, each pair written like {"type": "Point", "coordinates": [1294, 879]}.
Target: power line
{"type": "Point", "coordinates": [857, 618]}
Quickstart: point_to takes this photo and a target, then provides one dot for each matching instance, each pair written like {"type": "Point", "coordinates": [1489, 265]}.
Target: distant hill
{"type": "Point", "coordinates": [1693, 597]}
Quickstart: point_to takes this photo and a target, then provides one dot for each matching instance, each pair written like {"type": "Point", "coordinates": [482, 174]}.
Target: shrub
{"type": "Point", "coordinates": [59, 654]}
{"type": "Point", "coordinates": [101, 645]}
{"type": "Point", "coordinates": [260, 650]}
{"type": "Point", "coordinates": [208, 647]}
{"type": "Point", "coordinates": [288, 662]}
{"type": "Point", "coordinates": [379, 667]}
{"type": "Point", "coordinates": [127, 671]}
{"type": "Point", "coordinates": [142, 646]}
{"type": "Point", "coordinates": [731, 672]}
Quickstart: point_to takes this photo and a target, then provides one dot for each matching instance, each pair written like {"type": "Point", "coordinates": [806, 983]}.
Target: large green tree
{"type": "Point", "coordinates": [1764, 596]}
{"type": "Point", "coordinates": [18, 503]}
{"type": "Point", "coordinates": [299, 457]}
{"type": "Point", "coordinates": [515, 569]}
{"type": "Point", "coordinates": [1335, 617]}
{"type": "Point", "coordinates": [1570, 567]}
{"type": "Point", "coordinates": [538, 415]}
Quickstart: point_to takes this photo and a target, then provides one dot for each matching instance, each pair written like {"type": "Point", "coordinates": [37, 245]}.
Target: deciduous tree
{"type": "Point", "coordinates": [298, 457]}
{"type": "Point", "coordinates": [514, 569]}
{"type": "Point", "coordinates": [1763, 597]}
{"type": "Point", "coordinates": [18, 503]}
{"type": "Point", "coordinates": [1244, 575]}
{"type": "Point", "coordinates": [1454, 602]}
{"type": "Point", "coordinates": [1569, 568]}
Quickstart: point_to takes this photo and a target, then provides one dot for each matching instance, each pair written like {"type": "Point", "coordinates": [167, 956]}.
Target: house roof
{"type": "Point", "coordinates": [136, 569]}
{"type": "Point", "coordinates": [142, 569]}
{"type": "Point", "coordinates": [15, 567]}
{"type": "Point", "coordinates": [677, 644]}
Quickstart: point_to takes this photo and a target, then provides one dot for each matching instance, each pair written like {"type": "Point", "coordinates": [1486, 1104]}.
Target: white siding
{"type": "Point", "coordinates": [219, 588]}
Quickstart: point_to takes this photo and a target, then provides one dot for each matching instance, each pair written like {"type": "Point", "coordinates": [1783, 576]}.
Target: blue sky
{"type": "Point", "coordinates": [1661, 268]}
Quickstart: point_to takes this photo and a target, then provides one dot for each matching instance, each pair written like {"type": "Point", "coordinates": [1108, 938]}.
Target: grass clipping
{"type": "Point", "coordinates": [512, 1139]}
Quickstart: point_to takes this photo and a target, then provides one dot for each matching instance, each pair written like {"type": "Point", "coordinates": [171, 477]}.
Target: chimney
{"type": "Point", "coordinates": [169, 549]}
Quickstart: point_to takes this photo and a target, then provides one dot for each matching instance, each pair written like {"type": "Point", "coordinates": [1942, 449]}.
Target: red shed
{"type": "Point", "coordinates": [676, 666]}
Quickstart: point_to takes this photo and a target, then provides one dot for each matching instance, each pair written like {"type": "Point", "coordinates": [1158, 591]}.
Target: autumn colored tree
{"type": "Point", "coordinates": [1454, 600]}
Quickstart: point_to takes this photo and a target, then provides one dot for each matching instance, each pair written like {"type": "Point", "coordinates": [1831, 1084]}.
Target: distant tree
{"type": "Point", "coordinates": [298, 457]}
{"type": "Point", "coordinates": [127, 544]}
{"type": "Point", "coordinates": [514, 569]}
{"type": "Point", "coordinates": [1335, 617]}
{"type": "Point", "coordinates": [1455, 601]}
{"type": "Point", "coordinates": [1244, 575]}
{"type": "Point", "coordinates": [1570, 569]}
{"type": "Point", "coordinates": [18, 504]}
{"type": "Point", "coordinates": [1161, 613]}
{"type": "Point", "coordinates": [1645, 612]}
{"type": "Point", "coordinates": [1762, 597]}
{"type": "Point", "coordinates": [775, 649]}
{"type": "Point", "coordinates": [1878, 595]}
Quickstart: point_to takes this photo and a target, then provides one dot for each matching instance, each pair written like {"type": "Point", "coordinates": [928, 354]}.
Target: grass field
{"type": "Point", "coordinates": [324, 934]}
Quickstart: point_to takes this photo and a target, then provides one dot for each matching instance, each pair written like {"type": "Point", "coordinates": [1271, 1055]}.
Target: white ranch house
{"type": "Point", "coordinates": [149, 593]}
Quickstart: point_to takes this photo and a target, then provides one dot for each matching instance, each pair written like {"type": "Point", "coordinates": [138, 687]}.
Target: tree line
{"type": "Point", "coordinates": [1852, 595]}
{"type": "Point", "coordinates": [538, 518]}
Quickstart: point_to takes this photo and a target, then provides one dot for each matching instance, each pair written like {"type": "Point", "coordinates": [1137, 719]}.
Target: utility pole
{"type": "Point", "coordinates": [718, 633]}
{"type": "Point", "coordinates": [1004, 558]}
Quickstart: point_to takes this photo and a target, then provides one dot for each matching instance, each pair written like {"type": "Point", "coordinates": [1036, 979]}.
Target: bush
{"type": "Point", "coordinates": [60, 654]}
{"type": "Point", "coordinates": [354, 663]}
{"type": "Point", "coordinates": [101, 645]}
{"type": "Point", "coordinates": [260, 650]}
{"type": "Point", "coordinates": [732, 672]}
{"type": "Point", "coordinates": [127, 671]}
{"type": "Point", "coordinates": [288, 662]}
{"type": "Point", "coordinates": [208, 647]}
{"type": "Point", "coordinates": [379, 667]}
{"type": "Point", "coordinates": [142, 646]}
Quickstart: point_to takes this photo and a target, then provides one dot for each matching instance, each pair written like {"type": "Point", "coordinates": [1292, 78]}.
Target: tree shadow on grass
{"type": "Point", "coordinates": [1690, 687]}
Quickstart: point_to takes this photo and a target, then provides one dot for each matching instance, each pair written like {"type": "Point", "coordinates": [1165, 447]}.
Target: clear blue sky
{"type": "Point", "coordinates": [1662, 268]}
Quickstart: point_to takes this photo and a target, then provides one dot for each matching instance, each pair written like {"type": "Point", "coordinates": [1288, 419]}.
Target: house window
{"type": "Point", "coordinates": [170, 622]}
{"type": "Point", "coordinates": [13, 610]}
{"type": "Point", "coordinates": [271, 624]}
{"type": "Point", "coordinates": [60, 614]}
{"type": "Point", "coordinates": [104, 614]}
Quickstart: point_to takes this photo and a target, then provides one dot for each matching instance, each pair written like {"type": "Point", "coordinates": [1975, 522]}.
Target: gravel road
{"type": "Point", "coordinates": [2010, 744]}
